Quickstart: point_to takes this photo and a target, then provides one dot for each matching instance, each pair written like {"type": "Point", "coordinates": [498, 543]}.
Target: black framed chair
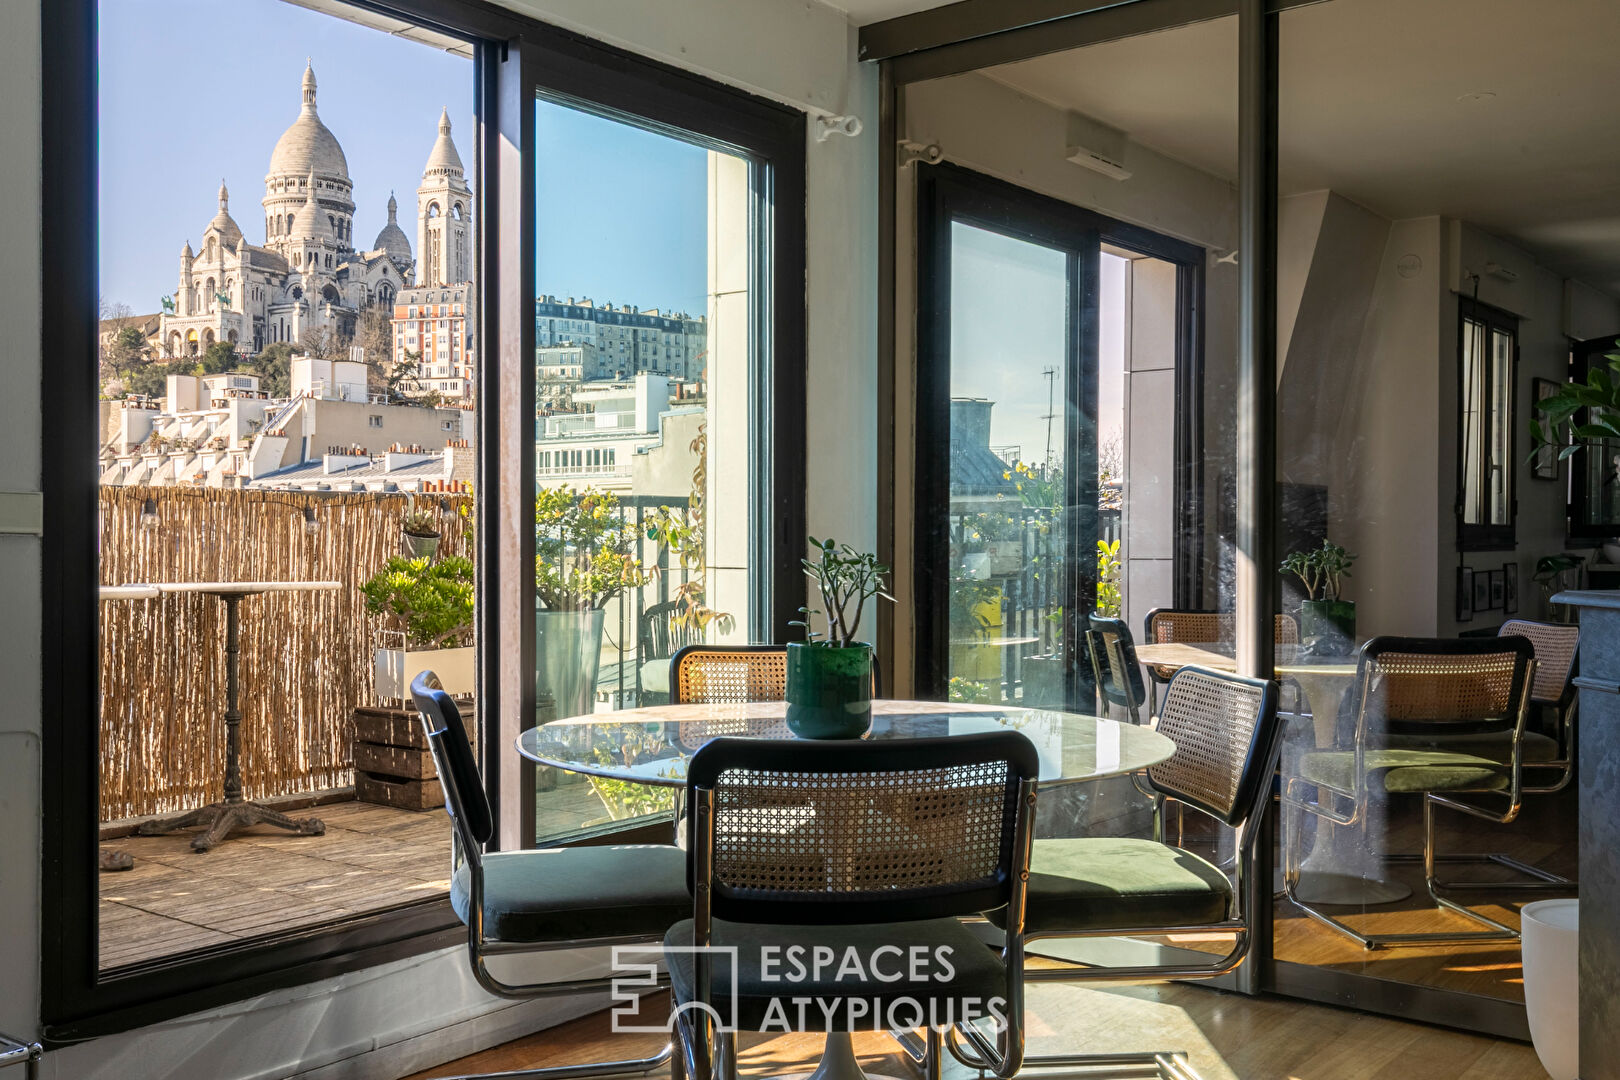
{"type": "Point", "coordinates": [523, 902]}
{"type": "Point", "coordinates": [1442, 719]}
{"type": "Point", "coordinates": [734, 674]}
{"type": "Point", "coordinates": [703, 674]}
{"type": "Point", "coordinates": [659, 636]}
{"type": "Point", "coordinates": [1198, 626]}
{"type": "Point", "coordinates": [1227, 735]}
{"type": "Point", "coordinates": [852, 846]}
{"type": "Point", "coordinates": [1557, 648]}
{"type": "Point", "coordinates": [1115, 667]}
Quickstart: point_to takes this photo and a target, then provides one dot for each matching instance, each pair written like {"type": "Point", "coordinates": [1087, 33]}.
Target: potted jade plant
{"type": "Point", "coordinates": [829, 677]}
{"type": "Point", "coordinates": [420, 531]}
{"type": "Point", "coordinates": [1327, 621]}
{"type": "Point", "coordinates": [427, 611]}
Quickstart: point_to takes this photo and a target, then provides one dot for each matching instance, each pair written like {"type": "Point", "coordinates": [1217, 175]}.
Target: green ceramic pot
{"type": "Point", "coordinates": [829, 690]}
{"type": "Point", "coordinates": [1328, 627]}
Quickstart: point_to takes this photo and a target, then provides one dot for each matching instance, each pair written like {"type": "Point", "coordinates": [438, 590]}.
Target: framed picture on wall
{"type": "Point", "coordinates": [1544, 466]}
{"type": "Point", "coordinates": [1498, 588]}
{"type": "Point", "coordinates": [1465, 594]}
{"type": "Point", "coordinates": [1510, 588]}
{"type": "Point", "coordinates": [1482, 590]}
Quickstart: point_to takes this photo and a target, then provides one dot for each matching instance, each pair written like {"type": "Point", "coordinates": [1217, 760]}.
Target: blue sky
{"type": "Point", "coordinates": [1008, 303]}
{"type": "Point", "coordinates": [193, 91]}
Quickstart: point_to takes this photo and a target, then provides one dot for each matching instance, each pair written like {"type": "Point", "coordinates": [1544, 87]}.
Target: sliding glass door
{"type": "Point", "coordinates": [1051, 345]}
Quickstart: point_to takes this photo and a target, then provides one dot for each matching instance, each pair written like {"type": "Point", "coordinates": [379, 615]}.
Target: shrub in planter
{"type": "Point", "coordinates": [427, 607]}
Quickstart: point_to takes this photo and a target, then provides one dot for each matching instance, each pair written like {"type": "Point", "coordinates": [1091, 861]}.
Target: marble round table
{"type": "Point", "coordinates": [653, 745]}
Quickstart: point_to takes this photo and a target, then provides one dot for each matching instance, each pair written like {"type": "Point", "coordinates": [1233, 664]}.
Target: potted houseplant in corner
{"type": "Point", "coordinates": [427, 608]}
{"type": "Point", "coordinates": [420, 531]}
{"type": "Point", "coordinates": [829, 677]}
{"type": "Point", "coordinates": [1327, 622]}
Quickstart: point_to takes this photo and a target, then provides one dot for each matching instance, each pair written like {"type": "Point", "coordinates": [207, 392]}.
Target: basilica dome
{"type": "Point", "coordinates": [392, 239]}
{"type": "Point", "coordinates": [309, 145]}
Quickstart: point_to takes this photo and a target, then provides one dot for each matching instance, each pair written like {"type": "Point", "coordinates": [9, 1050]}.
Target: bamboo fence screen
{"type": "Point", "coordinates": [306, 656]}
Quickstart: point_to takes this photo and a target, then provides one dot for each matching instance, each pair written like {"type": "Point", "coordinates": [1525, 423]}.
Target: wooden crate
{"type": "Point", "coordinates": [398, 792]}
{"type": "Point", "coordinates": [393, 764]}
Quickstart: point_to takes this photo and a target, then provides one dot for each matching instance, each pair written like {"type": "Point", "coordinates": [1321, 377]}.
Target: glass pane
{"type": "Point", "coordinates": [1402, 397]}
{"type": "Point", "coordinates": [270, 414]}
{"type": "Point", "coordinates": [1009, 424]}
{"type": "Point", "coordinates": [1473, 446]}
{"type": "Point", "coordinates": [646, 452]}
{"type": "Point", "coordinates": [1501, 428]}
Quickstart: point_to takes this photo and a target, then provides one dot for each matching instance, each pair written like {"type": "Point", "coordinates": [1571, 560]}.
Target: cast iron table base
{"type": "Point", "coordinates": [223, 818]}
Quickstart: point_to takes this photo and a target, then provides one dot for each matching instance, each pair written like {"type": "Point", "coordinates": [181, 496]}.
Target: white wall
{"type": "Point", "coordinates": [795, 52]}
{"type": "Point", "coordinates": [19, 556]}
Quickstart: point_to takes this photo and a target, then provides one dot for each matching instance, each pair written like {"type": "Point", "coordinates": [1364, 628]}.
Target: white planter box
{"type": "Point", "coordinates": [397, 667]}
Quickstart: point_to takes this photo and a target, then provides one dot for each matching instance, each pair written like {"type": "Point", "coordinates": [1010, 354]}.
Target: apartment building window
{"type": "Point", "coordinates": [375, 421]}
{"type": "Point", "coordinates": [1488, 353]}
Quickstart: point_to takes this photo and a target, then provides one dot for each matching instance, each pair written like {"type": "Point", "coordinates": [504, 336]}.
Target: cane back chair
{"type": "Point", "coordinates": [1198, 626]}
{"type": "Point", "coordinates": [1114, 665]}
{"type": "Point", "coordinates": [858, 847]}
{"type": "Point", "coordinates": [1439, 718]}
{"type": "Point", "coordinates": [704, 674]}
{"type": "Point", "coordinates": [552, 899]}
{"type": "Point", "coordinates": [1227, 735]}
{"type": "Point", "coordinates": [1557, 646]}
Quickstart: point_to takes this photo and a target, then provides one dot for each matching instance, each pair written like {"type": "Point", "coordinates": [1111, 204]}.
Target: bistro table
{"type": "Point", "coordinates": [1334, 872]}
{"type": "Point", "coordinates": [222, 818]}
{"type": "Point", "coordinates": [109, 859]}
{"type": "Point", "coordinates": [653, 745]}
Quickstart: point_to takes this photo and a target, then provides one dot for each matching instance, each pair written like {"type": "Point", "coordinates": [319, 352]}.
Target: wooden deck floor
{"type": "Point", "coordinates": [266, 881]}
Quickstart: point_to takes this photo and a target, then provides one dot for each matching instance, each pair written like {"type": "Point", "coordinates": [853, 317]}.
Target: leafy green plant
{"type": "Point", "coordinates": [430, 602]}
{"type": "Point", "coordinates": [1109, 568]}
{"type": "Point", "coordinates": [1322, 570]}
{"type": "Point", "coordinates": [583, 549]}
{"type": "Point", "coordinates": [846, 579]}
{"type": "Point", "coordinates": [967, 595]}
{"type": "Point", "coordinates": [1599, 396]}
{"type": "Point", "coordinates": [966, 690]}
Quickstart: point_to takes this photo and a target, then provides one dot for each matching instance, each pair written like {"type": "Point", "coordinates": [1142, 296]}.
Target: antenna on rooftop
{"type": "Point", "coordinates": [1051, 388]}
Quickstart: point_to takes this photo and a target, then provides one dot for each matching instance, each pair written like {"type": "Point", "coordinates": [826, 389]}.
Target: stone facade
{"type": "Point", "coordinates": [308, 274]}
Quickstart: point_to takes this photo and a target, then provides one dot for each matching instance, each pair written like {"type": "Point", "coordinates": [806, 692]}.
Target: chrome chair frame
{"type": "Point", "coordinates": [709, 1055]}
{"type": "Point", "coordinates": [1166, 1064]}
{"type": "Point", "coordinates": [27, 1054]}
{"type": "Point", "coordinates": [1295, 806]}
{"type": "Point", "coordinates": [466, 847]}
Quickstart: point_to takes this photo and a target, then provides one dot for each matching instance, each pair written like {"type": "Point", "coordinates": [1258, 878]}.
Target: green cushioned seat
{"type": "Point", "coordinates": [1495, 745]}
{"type": "Point", "coordinates": [570, 894]}
{"type": "Point", "coordinates": [1405, 772]}
{"type": "Point", "coordinates": [1107, 882]}
{"type": "Point", "coordinates": [968, 976]}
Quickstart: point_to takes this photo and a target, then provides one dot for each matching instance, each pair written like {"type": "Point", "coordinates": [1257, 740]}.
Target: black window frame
{"type": "Point", "coordinates": [1482, 536]}
{"type": "Point", "coordinates": [948, 193]}
{"type": "Point", "coordinates": [515, 58]}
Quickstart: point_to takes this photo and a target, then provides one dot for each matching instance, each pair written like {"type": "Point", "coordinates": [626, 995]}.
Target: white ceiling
{"type": "Point", "coordinates": [1375, 105]}
{"type": "Point", "coordinates": [861, 12]}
